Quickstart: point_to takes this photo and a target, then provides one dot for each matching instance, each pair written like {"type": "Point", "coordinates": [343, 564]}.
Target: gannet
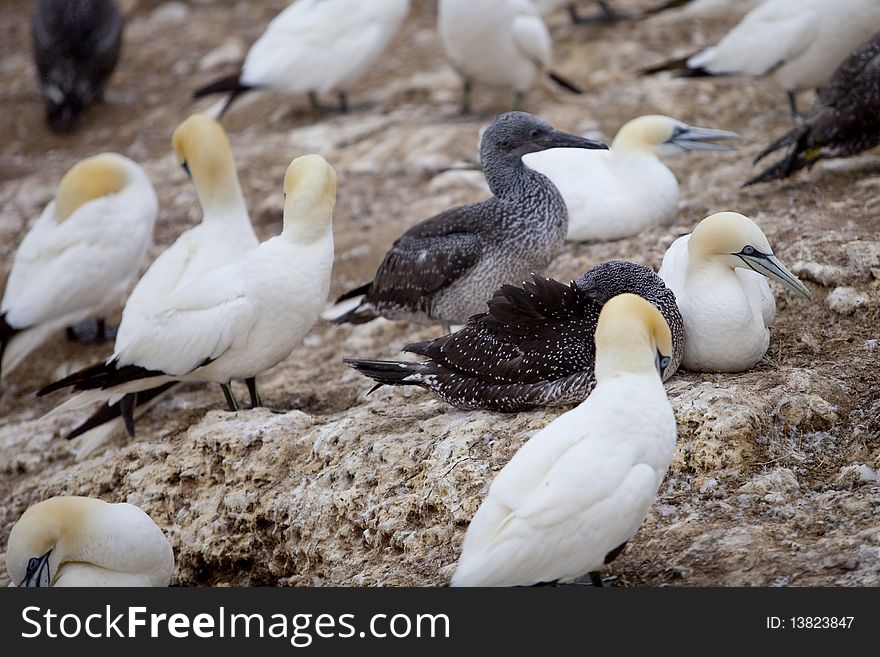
{"type": "Point", "coordinates": [844, 119]}
{"type": "Point", "coordinates": [225, 234]}
{"type": "Point", "coordinates": [82, 541]}
{"type": "Point", "coordinates": [76, 46]}
{"type": "Point", "coordinates": [687, 9]}
{"type": "Point", "coordinates": [80, 257]}
{"type": "Point", "coordinates": [533, 347]}
{"type": "Point", "coordinates": [316, 47]}
{"type": "Point", "coordinates": [796, 43]}
{"type": "Point", "coordinates": [577, 491]}
{"type": "Point", "coordinates": [606, 14]}
{"type": "Point", "coordinates": [445, 268]}
{"type": "Point", "coordinates": [237, 321]}
{"type": "Point", "coordinates": [622, 191]}
{"type": "Point", "coordinates": [498, 43]}
{"type": "Point", "coordinates": [718, 276]}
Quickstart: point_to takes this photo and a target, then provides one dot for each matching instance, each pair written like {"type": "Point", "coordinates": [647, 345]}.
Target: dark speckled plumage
{"type": "Point", "coordinates": [534, 346]}
{"type": "Point", "coordinates": [844, 119]}
{"type": "Point", "coordinates": [444, 268]}
{"type": "Point", "coordinates": [76, 47]}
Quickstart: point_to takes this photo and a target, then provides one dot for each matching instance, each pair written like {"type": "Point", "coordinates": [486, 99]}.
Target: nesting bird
{"type": "Point", "coordinates": [627, 189]}
{"type": "Point", "coordinates": [573, 495]}
{"type": "Point", "coordinates": [533, 347]}
{"type": "Point", "coordinates": [224, 236]}
{"type": "Point", "coordinates": [497, 43]}
{"type": "Point", "coordinates": [80, 257]}
{"type": "Point", "coordinates": [316, 47]}
{"type": "Point", "coordinates": [844, 119]}
{"type": "Point", "coordinates": [81, 541]}
{"type": "Point", "coordinates": [76, 47]}
{"type": "Point", "coordinates": [796, 43]}
{"type": "Point", "coordinates": [446, 267]}
{"type": "Point", "coordinates": [719, 276]}
{"type": "Point", "coordinates": [237, 321]}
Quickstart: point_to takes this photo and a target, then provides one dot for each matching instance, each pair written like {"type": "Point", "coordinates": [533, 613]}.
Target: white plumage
{"type": "Point", "coordinates": [626, 189]}
{"type": "Point", "coordinates": [81, 256]}
{"type": "Point", "coordinates": [582, 486]}
{"type": "Point", "coordinates": [237, 321]}
{"type": "Point", "coordinates": [80, 541]}
{"type": "Point", "coordinates": [797, 43]}
{"type": "Point", "coordinates": [322, 46]}
{"type": "Point", "coordinates": [718, 276]}
{"type": "Point", "coordinates": [497, 43]}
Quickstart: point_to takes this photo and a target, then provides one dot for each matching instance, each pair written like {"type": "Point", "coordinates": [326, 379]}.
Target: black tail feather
{"type": "Point", "coordinates": [387, 372]}
{"type": "Point", "coordinates": [356, 292]}
{"type": "Point", "coordinates": [7, 332]}
{"type": "Point", "coordinates": [670, 4]}
{"type": "Point", "coordinates": [568, 85]}
{"type": "Point", "coordinates": [109, 412]}
{"type": "Point", "coordinates": [100, 376]}
{"type": "Point", "coordinates": [787, 139]}
{"type": "Point", "coordinates": [231, 84]}
{"type": "Point", "coordinates": [679, 67]}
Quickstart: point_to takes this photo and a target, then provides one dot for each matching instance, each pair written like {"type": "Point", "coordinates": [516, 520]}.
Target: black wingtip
{"type": "Point", "coordinates": [568, 85]}
{"type": "Point", "coordinates": [7, 332]}
{"type": "Point", "coordinates": [677, 66]}
{"type": "Point", "coordinates": [351, 294]}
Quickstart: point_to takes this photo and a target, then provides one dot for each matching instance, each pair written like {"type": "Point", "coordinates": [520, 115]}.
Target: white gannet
{"type": "Point", "coordinates": [577, 491]}
{"type": "Point", "coordinates": [718, 276]}
{"type": "Point", "coordinates": [498, 43]}
{"type": "Point", "coordinates": [796, 43]}
{"type": "Point", "coordinates": [80, 257]}
{"type": "Point", "coordinates": [225, 234]}
{"type": "Point", "coordinates": [235, 321]}
{"type": "Point", "coordinates": [626, 189]}
{"type": "Point", "coordinates": [76, 46]}
{"type": "Point", "coordinates": [81, 541]}
{"type": "Point", "coordinates": [316, 47]}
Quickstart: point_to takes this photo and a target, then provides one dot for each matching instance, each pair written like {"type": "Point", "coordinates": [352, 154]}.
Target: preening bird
{"type": "Point", "coordinates": [445, 268]}
{"type": "Point", "coordinates": [80, 257]}
{"type": "Point", "coordinates": [718, 276]}
{"type": "Point", "coordinates": [576, 492]}
{"type": "Point", "coordinates": [224, 236]}
{"type": "Point", "coordinates": [81, 541]}
{"type": "Point", "coordinates": [498, 43]}
{"type": "Point", "coordinates": [626, 189]}
{"type": "Point", "coordinates": [844, 119]}
{"type": "Point", "coordinates": [533, 346]}
{"type": "Point", "coordinates": [76, 47]}
{"type": "Point", "coordinates": [237, 321]}
{"type": "Point", "coordinates": [796, 43]}
{"type": "Point", "coordinates": [316, 47]}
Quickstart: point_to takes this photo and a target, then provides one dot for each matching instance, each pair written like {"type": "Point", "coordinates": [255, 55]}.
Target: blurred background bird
{"type": "Point", "coordinates": [76, 47]}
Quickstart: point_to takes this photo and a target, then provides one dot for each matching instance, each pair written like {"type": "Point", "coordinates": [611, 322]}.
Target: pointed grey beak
{"type": "Point", "coordinates": [688, 138]}
{"type": "Point", "coordinates": [560, 139]}
{"type": "Point", "coordinates": [769, 266]}
{"type": "Point", "coordinates": [38, 574]}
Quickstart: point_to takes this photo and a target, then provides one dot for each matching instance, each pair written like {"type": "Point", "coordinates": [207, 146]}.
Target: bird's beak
{"type": "Point", "coordinates": [688, 138]}
{"type": "Point", "coordinates": [770, 266]}
{"type": "Point", "coordinates": [560, 139]}
{"type": "Point", "coordinates": [41, 577]}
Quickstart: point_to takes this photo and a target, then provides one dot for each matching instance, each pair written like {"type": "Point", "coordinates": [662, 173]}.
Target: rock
{"type": "Point", "coordinates": [846, 300]}
{"type": "Point", "coordinates": [170, 13]}
{"type": "Point", "coordinates": [778, 480]}
{"type": "Point", "coordinates": [230, 53]}
{"type": "Point", "coordinates": [826, 275]}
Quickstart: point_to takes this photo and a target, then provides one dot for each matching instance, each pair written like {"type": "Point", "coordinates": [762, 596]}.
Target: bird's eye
{"type": "Point", "coordinates": [664, 362]}
{"type": "Point", "coordinates": [33, 562]}
{"type": "Point", "coordinates": [748, 250]}
{"type": "Point", "coordinates": [534, 133]}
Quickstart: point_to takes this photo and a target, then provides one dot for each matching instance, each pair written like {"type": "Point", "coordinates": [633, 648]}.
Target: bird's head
{"type": "Point", "coordinates": [100, 175]}
{"type": "Point", "coordinates": [515, 134]}
{"type": "Point", "coordinates": [309, 196]}
{"type": "Point", "coordinates": [662, 135]}
{"type": "Point", "coordinates": [631, 336]}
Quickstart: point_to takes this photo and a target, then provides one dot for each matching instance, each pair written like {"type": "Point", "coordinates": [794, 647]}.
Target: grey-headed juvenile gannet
{"type": "Point", "coordinates": [316, 47]}
{"type": "Point", "coordinates": [76, 46]}
{"type": "Point", "coordinates": [626, 189]}
{"type": "Point", "coordinates": [576, 492]}
{"type": "Point", "coordinates": [80, 257]}
{"type": "Point", "coordinates": [718, 276]}
{"type": "Point", "coordinates": [532, 347]}
{"type": "Point", "coordinates": [445, 268]}
{"type": "Point", "coordinates": [81, 541]}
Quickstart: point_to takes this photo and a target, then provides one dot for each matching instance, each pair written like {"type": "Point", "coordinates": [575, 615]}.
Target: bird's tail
{"type": "Point", "coordinates": [7, 332]}
{"type": "Point", "coordinates": [390, 372]}
{"type": "Point", "coordinates": [679, 66]}
{"type": "Point", "coordinates": [349, 308]}
{"type": "Point", "coordinates": [231, 84]}
{"type": "Point", "coordinates": [16, 344]}
{"type": "Point", "coordinates": [566, 84]}
{"type": "Point", "coordinates": [664, 6]}
{"type": "Point", "coordinates": [800, 157]}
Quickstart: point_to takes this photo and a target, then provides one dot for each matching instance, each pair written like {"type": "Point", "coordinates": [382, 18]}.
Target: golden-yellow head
{"type": "Point", "coordinates": [631, 336]}
{"type": "Point", "coordinates": [89, 179]}
{"type": "Point", "coordinates": [309, 194]}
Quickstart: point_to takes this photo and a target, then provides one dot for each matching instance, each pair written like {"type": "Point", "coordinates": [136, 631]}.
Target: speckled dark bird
{"type": "Point", "coordinates": [76, 47]}
{"type": "Point", "coordinates": [444, 268]}
{"type": "Point", "coordinates": [534, 346]}
{"type": "Point", "coordinates": [844, 119]}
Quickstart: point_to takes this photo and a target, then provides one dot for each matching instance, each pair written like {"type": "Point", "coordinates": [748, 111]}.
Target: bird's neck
{"type": "Point", "coordinates": [307, 220]}
{"type": "Point", "coordinates": [509, 177]}
{"type": "Point", "coordinates": [220, 196]}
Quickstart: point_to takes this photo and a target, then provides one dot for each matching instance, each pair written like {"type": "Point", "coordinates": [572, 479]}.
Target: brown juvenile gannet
{"type": "Point", "coordinates": [844, 119]}
{"type": "Point", "coordinates": [76, 47]}
{"type": "Point", "coordinates": [533, 347]}
{"type": "Point", "coordinates": [444, 268]}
